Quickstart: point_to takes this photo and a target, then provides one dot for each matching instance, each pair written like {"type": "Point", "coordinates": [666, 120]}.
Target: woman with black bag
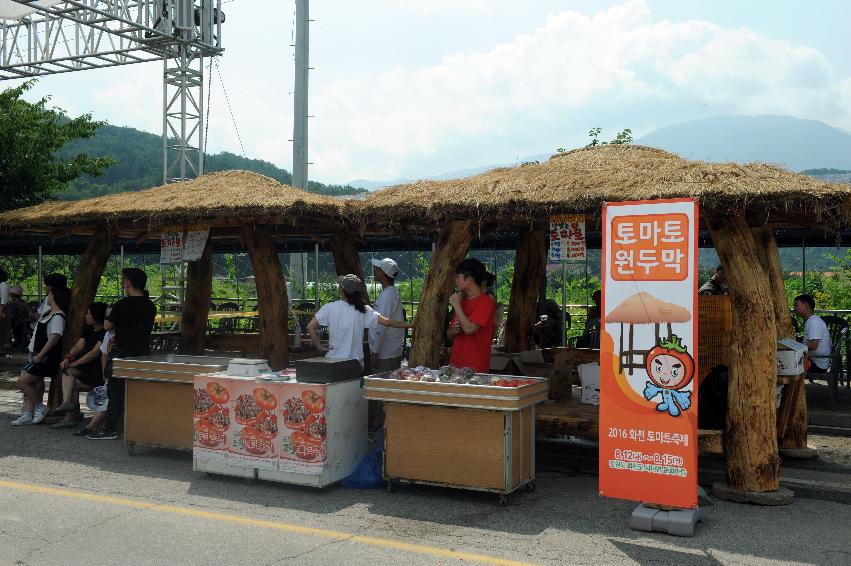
{"type": "Point", "coordinates": [46, 354]}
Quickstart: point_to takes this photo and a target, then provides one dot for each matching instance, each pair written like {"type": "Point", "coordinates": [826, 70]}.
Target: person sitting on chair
{"type": "Point", "coordinates": [717, 284]}
{"type": "Point", "coordinates": [816, 334]}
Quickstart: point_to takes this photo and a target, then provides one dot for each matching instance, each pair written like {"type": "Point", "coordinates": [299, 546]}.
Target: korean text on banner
{"type": "Point", "coordinates": [648, 365]}
{"type": "Point", "coordinates": [196, 239]}
{"type": "Point", "coordinates": [567, 237]}
{"type": "Point", "coordinates": [171, 245]}
{"type": "Point", "coordinates": [252, 436]}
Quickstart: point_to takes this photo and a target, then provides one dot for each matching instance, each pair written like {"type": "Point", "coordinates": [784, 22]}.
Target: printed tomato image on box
{"type": "Point", "coordinates": [252, 436]}
{"type": "Point", "coordinates": [211, 416]}
{"type": "Point", "coordinates": [304, 436]}
{"type": "Point", "coordinates": [648, 361]}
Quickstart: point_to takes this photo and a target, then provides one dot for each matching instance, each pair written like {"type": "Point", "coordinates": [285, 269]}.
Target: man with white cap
{"type": "Point", "coordinates": [387, 343]}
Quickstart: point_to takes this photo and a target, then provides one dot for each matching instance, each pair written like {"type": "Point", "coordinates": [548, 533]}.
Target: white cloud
{"type": "Point", "coordinates": [381, 126]}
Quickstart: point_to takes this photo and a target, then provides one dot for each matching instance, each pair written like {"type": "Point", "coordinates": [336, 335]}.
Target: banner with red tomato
{"type": "Point", "coordinates": [648, 359]}
{"type": "Point", "coordinates": [211, 417]}
{"type": "Point", "coordinates": [254, 431]}
{"type": "Point", "coordinates": [303, 441]}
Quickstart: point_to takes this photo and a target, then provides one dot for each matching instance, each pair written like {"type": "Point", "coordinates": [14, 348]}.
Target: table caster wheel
{"type": "Point", "coordinates": [503, 501]}
{"type": "Point", "coordinates": [390, 487]}
{"type": "Point", "coordinates": [530, 487]}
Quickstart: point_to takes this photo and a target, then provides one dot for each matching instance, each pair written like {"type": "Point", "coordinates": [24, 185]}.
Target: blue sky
{"type": "Point", "coordinates": [411, 89]}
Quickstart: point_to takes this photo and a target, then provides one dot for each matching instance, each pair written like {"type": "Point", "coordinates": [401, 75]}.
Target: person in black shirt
{"type": "Point", "coordinates": [81, 366]}
{"type": "Point", "coordinates": [132, 320]}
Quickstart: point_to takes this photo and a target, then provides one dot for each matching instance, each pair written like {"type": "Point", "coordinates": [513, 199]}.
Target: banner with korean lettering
{"type": "Point", "coordinates": [567, 237]}
{"type": "Point", "coordinates": [648, 344]}
{"type": "Point", "coordinates": [171, 245]}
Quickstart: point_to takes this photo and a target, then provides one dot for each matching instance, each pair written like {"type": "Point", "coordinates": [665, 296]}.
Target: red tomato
{"type": "Point", "coordinates": [264, 399]}
{"type": "Point", "coordinates": [218, 394]}
{"type": "Point", "coordinates": [669, 364]}
{"type": "Point", "coordinates": [313, 401]}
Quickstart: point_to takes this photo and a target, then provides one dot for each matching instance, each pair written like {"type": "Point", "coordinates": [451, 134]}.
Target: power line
{"type": "Point", "coordinates": [227, 100]}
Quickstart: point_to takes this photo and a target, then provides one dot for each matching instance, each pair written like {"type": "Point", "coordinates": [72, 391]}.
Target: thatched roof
{"type": "Point", "coordinates": [225, 195]}
{"type": "Point", "coordinates": [581, 180]}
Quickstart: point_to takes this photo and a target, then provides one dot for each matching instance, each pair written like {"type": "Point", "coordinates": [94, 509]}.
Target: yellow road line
{"type": "Point", "coordinates": [259, 523]}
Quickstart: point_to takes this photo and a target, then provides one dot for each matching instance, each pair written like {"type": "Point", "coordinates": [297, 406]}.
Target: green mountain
{"type": "Point", "coordinates": [139, 165]}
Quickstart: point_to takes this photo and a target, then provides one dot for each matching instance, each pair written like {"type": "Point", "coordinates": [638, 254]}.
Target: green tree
{"type": "Point", "coordinates": [31, 134]}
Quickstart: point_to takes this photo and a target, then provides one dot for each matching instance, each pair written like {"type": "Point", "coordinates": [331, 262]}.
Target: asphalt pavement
{"type": "Point", "coordinates": [66, 500]}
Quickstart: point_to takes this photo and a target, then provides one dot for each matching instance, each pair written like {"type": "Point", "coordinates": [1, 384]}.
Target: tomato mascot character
{"type": "Point", "coordinates": [670, 368]}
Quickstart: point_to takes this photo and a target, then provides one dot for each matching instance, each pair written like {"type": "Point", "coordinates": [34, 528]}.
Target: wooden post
{"type": "Point", "coordinates": [769, 258]}
{"type": "Point", "coordinates": [451, 249]}
{"type": "Point", "coordinates": [196, 304]}
{"type": "Point", "coordinates": [530, 265]}
{"type": "Point", "coordinates": [752, 463]}
{"type": "Point", "coordinates": [83, 290]}
{"type": "Point", "coordinates": [271, 295]}
{"type": "Point", "coordinates": [346, 259]}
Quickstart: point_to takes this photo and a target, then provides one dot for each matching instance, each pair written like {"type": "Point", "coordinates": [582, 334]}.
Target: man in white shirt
{"type": "Point", "coordinates": [816, 334]}
{"type": "Point", "coordinates": [386, 343]}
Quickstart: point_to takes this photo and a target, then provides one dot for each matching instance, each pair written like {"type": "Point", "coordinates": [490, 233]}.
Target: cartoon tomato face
{"type": "Point", "coordinates": [218, 394]}
{"type": "Point", "coordinates": [669, 364]}
{"type": "Point", "coordinates": [264, 399]}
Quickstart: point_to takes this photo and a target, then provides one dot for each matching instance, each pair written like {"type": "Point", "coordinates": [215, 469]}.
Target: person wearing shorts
{"type": "Point", "coordinates": [46, 354]}
{"type": "Point", "coordinates": [82, 366]}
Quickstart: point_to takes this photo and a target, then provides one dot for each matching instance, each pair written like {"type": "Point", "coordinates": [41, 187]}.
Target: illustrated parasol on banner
{"type": "Point", "coordinates": [644, 308]}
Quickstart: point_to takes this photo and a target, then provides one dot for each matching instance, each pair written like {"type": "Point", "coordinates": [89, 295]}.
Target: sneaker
{"type": "Point", "coordinates": [40, 413]}
{"type": "Point", "coordinates": [102, 435]}
{"type": "Point", "coordinates": [83, 431]}
{"type": "Point", "coordinates": [25, 419]}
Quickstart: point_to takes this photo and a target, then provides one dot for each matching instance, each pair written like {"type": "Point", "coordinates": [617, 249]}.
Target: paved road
{"type": "Point", "coordinates": [66, 500]}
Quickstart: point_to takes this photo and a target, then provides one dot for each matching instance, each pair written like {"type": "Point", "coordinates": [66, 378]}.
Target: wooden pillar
{"type": "Point", "coordinates": [752, 463]}
{"type": "Point", "coordinates": [452, 247]}
{"type": "Point", "coordinates": [346, 259]}
{"type": "Point", "coordinates": [271, 295]}
{"type": "Point", "coordinates": [84, 288]}
{"type": "Point", "coordinates": [530, 266]}
{"type": "Point", "coordinates": [769, 258]}
{"type": "Point", "coordinates": [196, 305]}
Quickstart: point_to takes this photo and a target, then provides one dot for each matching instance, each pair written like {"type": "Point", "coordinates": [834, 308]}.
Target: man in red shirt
{"type": "Point", "coordinates": [471, 329]}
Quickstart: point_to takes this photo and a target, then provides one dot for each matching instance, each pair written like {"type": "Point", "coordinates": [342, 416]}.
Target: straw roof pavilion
{"type": "Point", "coordinates": [582, 179]}
{"type": "Point", "coordinates": [221, 199]}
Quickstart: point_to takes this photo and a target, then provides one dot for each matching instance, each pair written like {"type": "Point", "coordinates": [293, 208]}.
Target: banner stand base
{"type": "Point", "coordinates": [679, 522]}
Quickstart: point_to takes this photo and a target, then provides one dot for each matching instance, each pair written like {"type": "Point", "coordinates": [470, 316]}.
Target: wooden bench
{"type": "Point", "coordinates": [570, 417]}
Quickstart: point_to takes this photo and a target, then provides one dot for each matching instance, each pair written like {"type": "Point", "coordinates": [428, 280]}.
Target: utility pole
{"type": "Point", "coordinates": [302, 46]}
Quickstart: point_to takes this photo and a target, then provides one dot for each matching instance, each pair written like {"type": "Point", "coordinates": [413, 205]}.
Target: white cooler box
{"type": "Point", "coordinates": [589, 376]}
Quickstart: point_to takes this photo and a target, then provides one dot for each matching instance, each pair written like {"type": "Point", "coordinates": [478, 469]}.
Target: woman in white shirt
{"type": "Point", "coordinates": [346, 320]}
{"type": "Point", "coordinates": [45, 356]}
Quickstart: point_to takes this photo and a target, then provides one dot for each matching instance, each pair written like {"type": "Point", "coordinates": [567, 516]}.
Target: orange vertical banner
{"type": "Point", "coordinates": [648, 352]}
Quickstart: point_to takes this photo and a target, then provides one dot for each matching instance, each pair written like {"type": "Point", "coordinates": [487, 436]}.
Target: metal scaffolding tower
{"type": "Point", "coordinates": [48, 37]}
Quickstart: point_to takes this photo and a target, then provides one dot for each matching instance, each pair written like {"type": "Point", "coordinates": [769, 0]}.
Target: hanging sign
{"type": "Point", "coordinates": [196, 239]}
{"type": "Point", "coordinates": [567, 237]}
{"type": "Point", "coordinates": [648, 343]}
{"type": "Point", "coordinates": [171, 245]}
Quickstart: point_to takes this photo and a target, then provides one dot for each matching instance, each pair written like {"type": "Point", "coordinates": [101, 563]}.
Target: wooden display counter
{"type": "Point", "coordinates": [460, 435]}
{"type": "Point", "coordinates": [158, 399]}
